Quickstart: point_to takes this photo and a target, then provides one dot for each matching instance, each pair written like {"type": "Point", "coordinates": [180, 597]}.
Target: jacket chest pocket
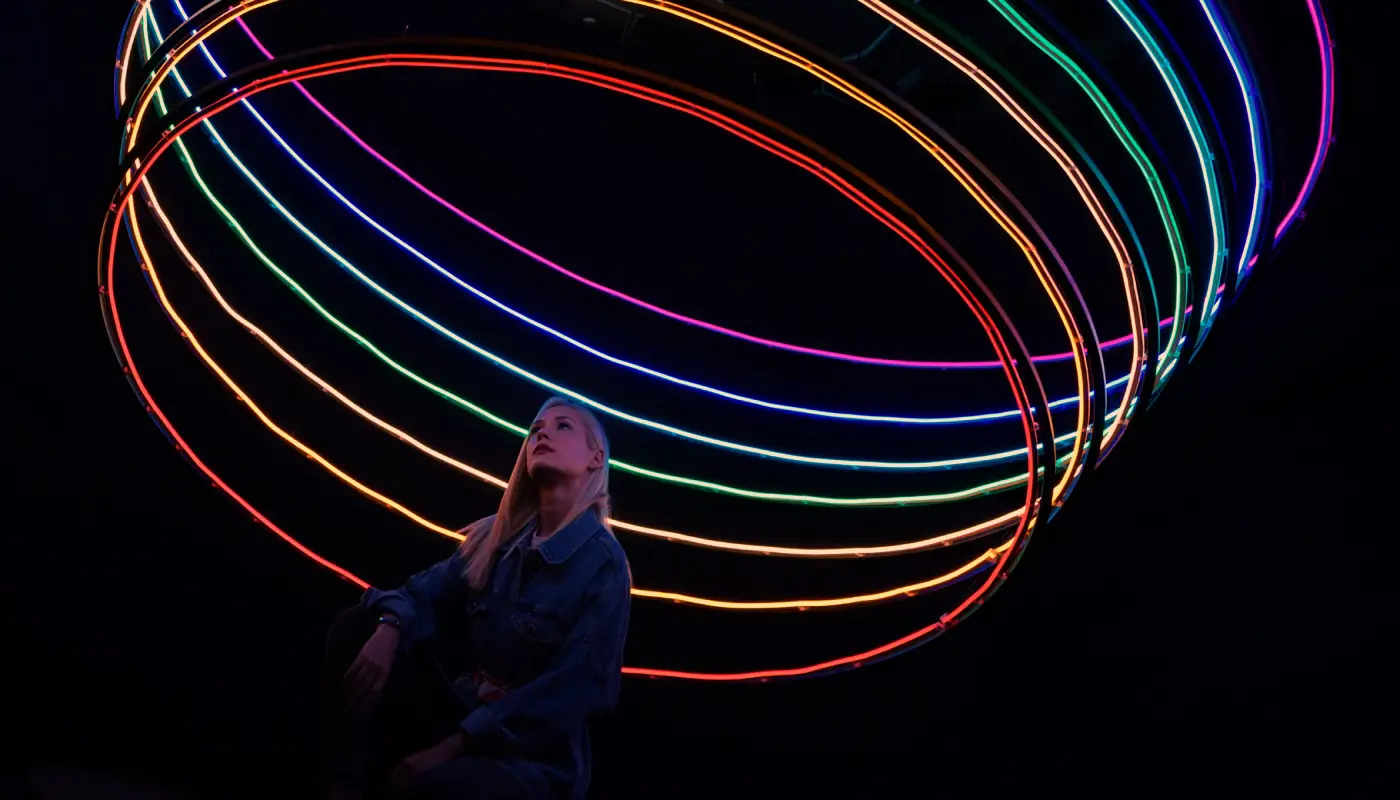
{"type": "Point", "coordinates": [536, 635]}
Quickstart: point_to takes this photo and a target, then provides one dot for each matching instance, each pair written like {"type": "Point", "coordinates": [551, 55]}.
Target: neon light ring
{"type": "Point", "coordinates": [1058, 445]}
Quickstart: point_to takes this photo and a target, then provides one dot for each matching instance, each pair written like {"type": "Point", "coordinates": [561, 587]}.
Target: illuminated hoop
{"type": "Point", "coordinates": [1045, 485]}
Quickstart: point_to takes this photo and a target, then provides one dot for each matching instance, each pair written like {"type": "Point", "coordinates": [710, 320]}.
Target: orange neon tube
{"type": "Point", "coordinates": [124, 62]}
{"type": "Point", "coordinates": [174, 57]}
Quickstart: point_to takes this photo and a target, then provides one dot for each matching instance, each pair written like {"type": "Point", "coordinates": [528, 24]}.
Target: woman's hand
{"type": "Point", "coordinates": [367, 675]}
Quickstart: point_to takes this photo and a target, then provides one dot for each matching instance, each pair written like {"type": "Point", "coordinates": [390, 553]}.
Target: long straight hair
{"type": "Point", "coordinates": [521, 500]}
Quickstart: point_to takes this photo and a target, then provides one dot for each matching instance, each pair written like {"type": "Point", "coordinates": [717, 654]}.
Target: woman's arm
{"type": "Point", "coordinates": [415, 604]}
{"type": "Point", "coordinates": [583, 679]}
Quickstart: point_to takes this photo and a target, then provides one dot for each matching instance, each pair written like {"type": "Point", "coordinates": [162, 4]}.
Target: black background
{"type": "Point", "coordinates": [1214, 605]}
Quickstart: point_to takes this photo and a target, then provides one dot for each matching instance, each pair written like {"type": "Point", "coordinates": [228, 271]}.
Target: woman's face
{"type": "Point", "coordinates": [557, 448]}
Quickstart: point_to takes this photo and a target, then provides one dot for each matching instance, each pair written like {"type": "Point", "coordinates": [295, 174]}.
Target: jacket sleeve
{"type": "Point", "coordinates": [415, 604]}
{"type": "Point", "coordinates": [582, 680]}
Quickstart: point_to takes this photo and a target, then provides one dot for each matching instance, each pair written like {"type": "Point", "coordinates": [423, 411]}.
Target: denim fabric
{"type": "Point", "coordinates": [548, 630]}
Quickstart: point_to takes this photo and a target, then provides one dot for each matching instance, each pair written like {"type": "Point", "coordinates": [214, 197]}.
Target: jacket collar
{"type": "Point", "coordinates": [564, 543]}
{"type": "Point", "coordinates": [568, 539]}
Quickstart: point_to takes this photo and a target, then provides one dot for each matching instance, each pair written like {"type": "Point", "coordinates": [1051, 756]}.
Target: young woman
{"type": "Point", "coordinates": [477, 677]}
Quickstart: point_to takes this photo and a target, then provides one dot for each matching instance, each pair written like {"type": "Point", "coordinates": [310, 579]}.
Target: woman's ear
{"type": "Point", "coordinates": [598, 460]}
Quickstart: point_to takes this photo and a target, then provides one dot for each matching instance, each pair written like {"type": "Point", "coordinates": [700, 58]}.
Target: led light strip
{"type": "Point", "coordinates": [1174, 321]}
{"type": "Point", "coordinates": [1001, 558]}
{"type": "Point", "coordinates": [927, 19]}
{"type": "Point", "coordinates": [1252, 116]}
{"type": "Point", "coordinates": [1076, 178]}
{"type": "Point", "coordinates": [191, 38]}
{"type": "Point", "coordinates": [1204, 159]}
{"type": "Point", "coordinates": [123, 62]}
{"type": "Point", "coordinates": [1175, 239]}
{"type": "Point", "coordinates": [247, 93]}
{"type": "Point", "coordinates": [768, 144]}
{"type": "Point", "coordinates": [1206, 109]}
{"type": "Point", "coordinates": [359, 141]}
{"type": "Point", "coordinates": [1022, 26]}
{"type": "Point", "coordinates": [939, 541]}
{"type": "Point", "coordinates": [602, 81]}
{"type": "Point", "coordinates": [1319, 159]}
{"type": "Point", "coordinates": [238, 164]}
{"type": "Point", "coordinates": [429, 193]}
{"type": "Point", "coordinates": [1083, 370]}
{"type": "Point", "coordinates": [238, 229]}
{"type": "Point", "coordinates": [806, 163]}
{"type": "Point", "coordinates": [123, 205]}
{"type": "Point", "coordinates": [518, 430]}
{"type": "Point", "coordinates": [1324, 132]}
{"type": "Point", "coordinates": [188, 334]}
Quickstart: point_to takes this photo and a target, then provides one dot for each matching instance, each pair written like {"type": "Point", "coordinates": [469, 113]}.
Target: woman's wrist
{"type": "Point", "coordinates": [389, 625]}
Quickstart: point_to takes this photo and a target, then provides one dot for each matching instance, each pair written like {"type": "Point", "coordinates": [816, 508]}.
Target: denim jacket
{"type": "Point", "coordinates": [553, 643]}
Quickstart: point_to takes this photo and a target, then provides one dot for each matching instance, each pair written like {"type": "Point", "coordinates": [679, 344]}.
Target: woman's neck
{"type": "Point", "coordinates": [555, 504]}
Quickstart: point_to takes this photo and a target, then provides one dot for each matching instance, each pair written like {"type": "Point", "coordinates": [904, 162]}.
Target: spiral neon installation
{"type": "Point", "coordinates": [1061, 438]}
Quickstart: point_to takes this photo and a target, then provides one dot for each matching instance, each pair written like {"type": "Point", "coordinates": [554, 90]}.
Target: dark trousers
{"type": "Point", "coordinates": [416, 710]}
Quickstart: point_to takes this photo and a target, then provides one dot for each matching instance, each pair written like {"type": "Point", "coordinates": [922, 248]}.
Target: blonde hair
{"type": "Point", "coordinates": [521, 500]}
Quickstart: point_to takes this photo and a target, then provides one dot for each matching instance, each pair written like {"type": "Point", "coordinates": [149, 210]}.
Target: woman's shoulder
{"type": "Point", "coordinates": [606, 552]}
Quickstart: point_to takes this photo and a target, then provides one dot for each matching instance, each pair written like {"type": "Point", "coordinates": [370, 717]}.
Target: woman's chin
{"type": "Point", "coordinates": [546, 474]}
